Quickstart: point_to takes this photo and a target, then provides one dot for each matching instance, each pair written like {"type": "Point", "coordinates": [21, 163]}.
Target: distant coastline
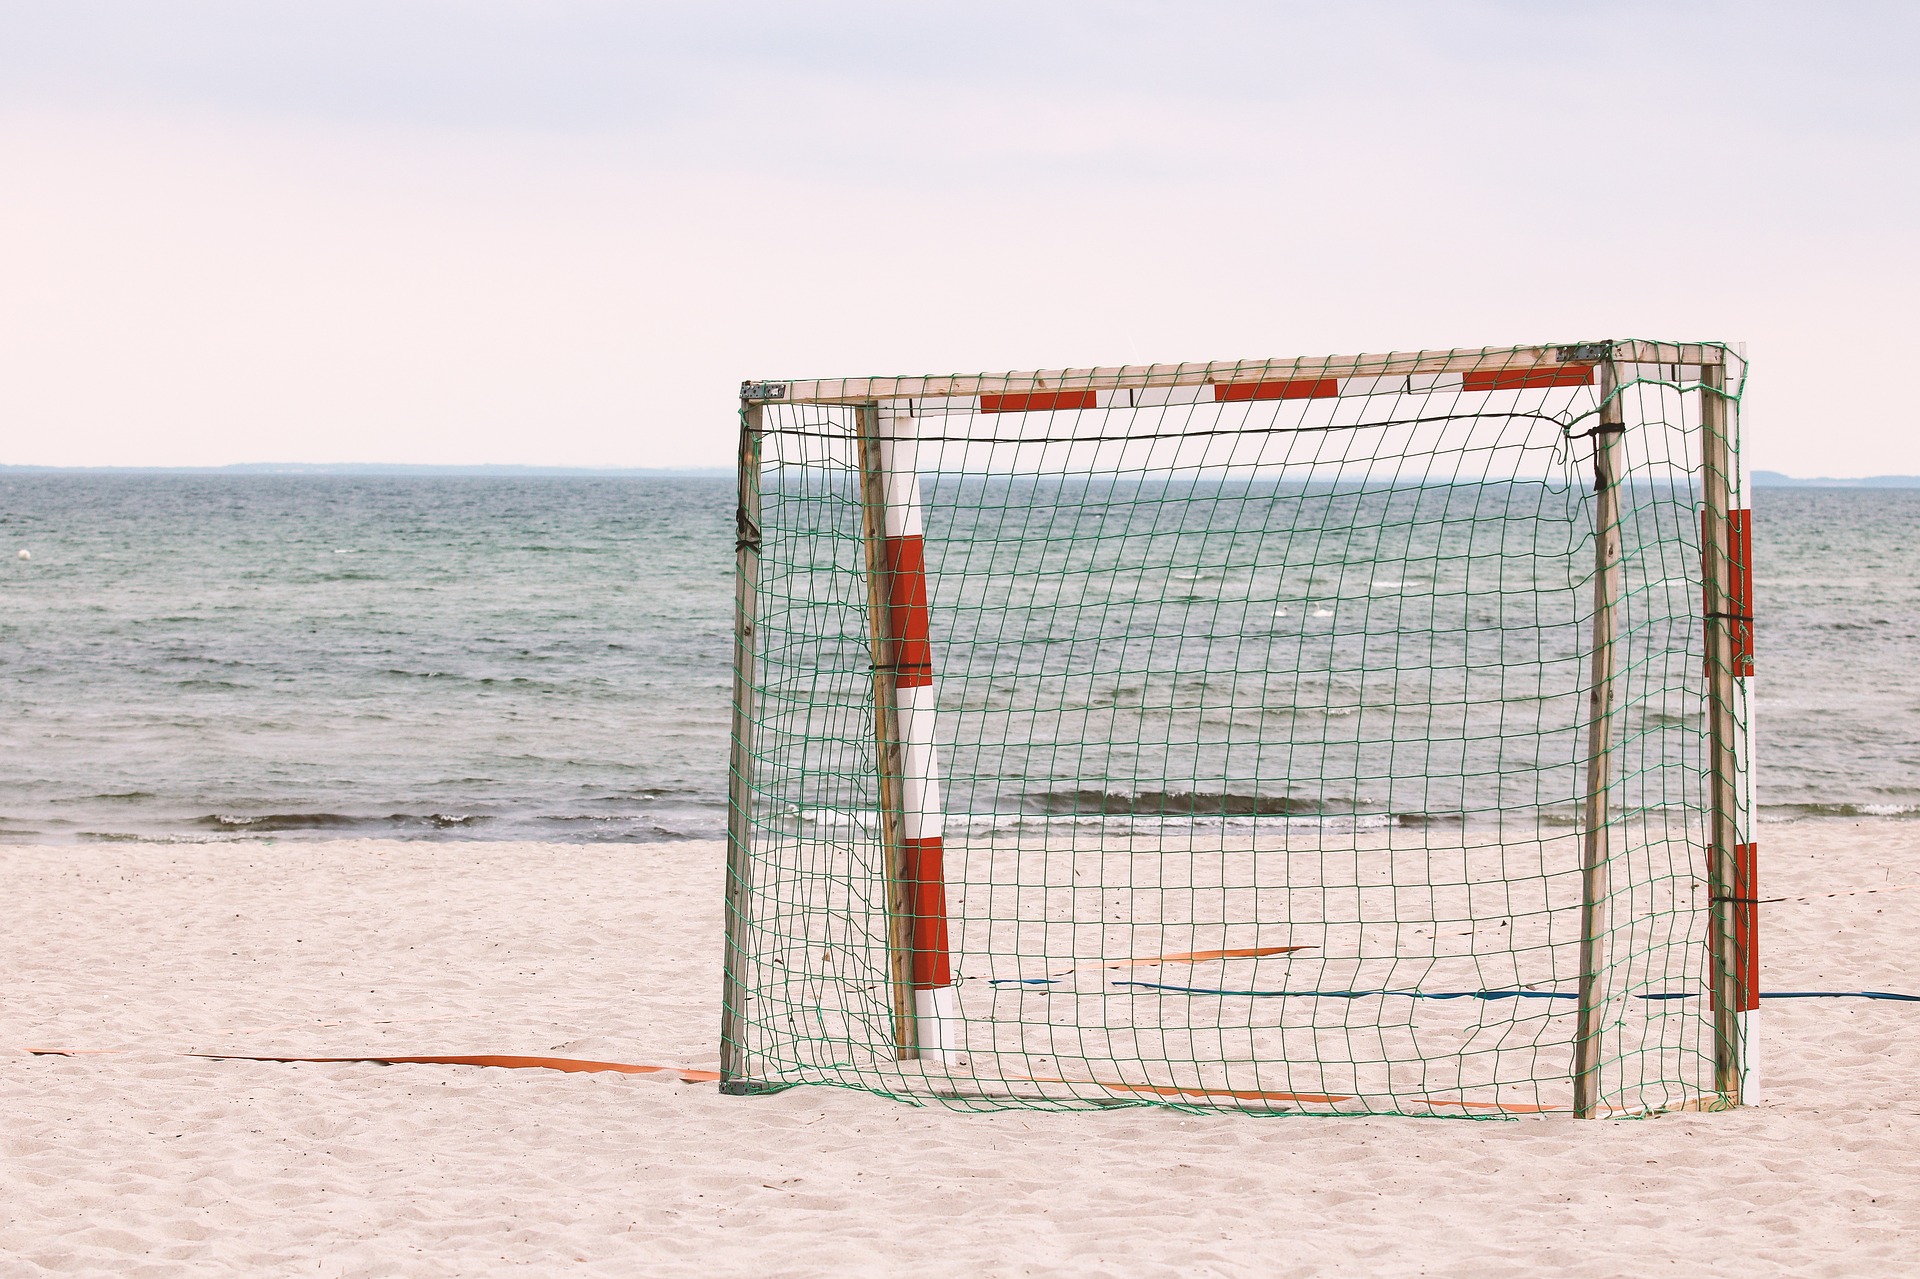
{"type": "Point", "coordinates": [384, 468]}
{"type": "Point", "coordinates": [1774, 479]}
{"type": "Point", "coordinates": [1761, 479]}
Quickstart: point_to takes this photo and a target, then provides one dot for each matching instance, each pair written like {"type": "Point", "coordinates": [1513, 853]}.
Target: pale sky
{"type": "Point", "coordinates": [562, 232]}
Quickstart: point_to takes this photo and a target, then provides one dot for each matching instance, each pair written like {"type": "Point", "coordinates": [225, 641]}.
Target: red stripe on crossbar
{"type": "Point", "coordinates": [1293, 388]}
{"type": "Point", "coordinates": [926, 877]}
{"type": "Point", "coordinates": [1528, 379]}
{"type": "Point", "coordinates": [1746, 927]}
{"type": "Point", "coordinates": [1038, 401]}
{"type": "Point", "coordinates": [907, 611]}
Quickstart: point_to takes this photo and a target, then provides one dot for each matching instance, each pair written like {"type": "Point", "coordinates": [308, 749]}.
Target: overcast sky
{"type": "Point", "coordinates": [562, 232]}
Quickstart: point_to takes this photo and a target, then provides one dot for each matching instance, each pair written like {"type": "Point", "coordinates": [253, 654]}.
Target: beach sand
{"type": "Point", "coordinates": [136, 1159]}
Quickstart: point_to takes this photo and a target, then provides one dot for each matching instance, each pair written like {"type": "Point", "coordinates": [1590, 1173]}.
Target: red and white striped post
{"type": "Point", "coordinates": [1746, 869]}
{"type": "Point", "coordinates": [935, 999]}
{"type": "Point", "coordinates": [1727, 573]}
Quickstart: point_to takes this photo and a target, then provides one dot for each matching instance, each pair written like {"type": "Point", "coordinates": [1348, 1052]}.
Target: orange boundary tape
{"type": "Point", "coordinates": [1198, 956]}
{"type": "Point", "coordinates": [1302, 1098]}
{"type": "Point", "coordinates": [571, 1065]}
{"type": "Point", "coordinates": [1238, 1094]}
{"type": "Point", "coordinates": [687, 1074]}
{"type": "Point", "coordinates": [1188, 957]}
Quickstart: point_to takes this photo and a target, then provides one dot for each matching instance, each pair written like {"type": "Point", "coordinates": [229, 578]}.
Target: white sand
{"type": "Point", "coordinates": [148, 1162]}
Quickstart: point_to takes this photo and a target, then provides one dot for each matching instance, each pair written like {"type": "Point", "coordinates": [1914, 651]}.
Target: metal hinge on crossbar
{"type": "Point", "coordinates": [1584, 353]}
{"type": "Point", "coordinates": [763, 390]}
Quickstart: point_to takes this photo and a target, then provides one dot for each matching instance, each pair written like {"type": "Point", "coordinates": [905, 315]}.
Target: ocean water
{"type": "Point", "coordinates": [1837, 581]}
{"type": "Point", "coordinates": [226, 657]}
{"type": "Point", "coordinates": [455, 658]}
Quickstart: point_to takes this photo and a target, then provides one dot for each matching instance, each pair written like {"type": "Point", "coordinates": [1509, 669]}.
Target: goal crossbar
{"type": "Point", "coordinates": [1200, 376]}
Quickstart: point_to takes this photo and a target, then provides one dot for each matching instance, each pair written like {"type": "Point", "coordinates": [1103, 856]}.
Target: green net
{"type": "Point", "coordinates": [1357, 735]}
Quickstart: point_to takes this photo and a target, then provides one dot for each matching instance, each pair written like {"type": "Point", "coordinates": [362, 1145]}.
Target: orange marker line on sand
{"type": "Point", "coordinates": [1187, 957]}
{"type": "Point", "coordinates": [1306, 1098]}
{"type": "Point", "coordinates": [577, 1065]}
{"type": "Point", "coordinates": [1238, 1094]}
{"type": "Point", "coordinates": [1187, 1090]}
{"type": "Point", "coordinates": [1201, 956]}
{"type": "Point", "coordinates": [571, 1065]}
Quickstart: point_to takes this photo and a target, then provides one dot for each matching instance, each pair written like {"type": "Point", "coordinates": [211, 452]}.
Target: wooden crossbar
{"type": "Point", "coordinates": [1234, 372]}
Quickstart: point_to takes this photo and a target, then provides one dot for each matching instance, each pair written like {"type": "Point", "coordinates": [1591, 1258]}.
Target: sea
{"type": "Point", "coordinates": [215, 657]}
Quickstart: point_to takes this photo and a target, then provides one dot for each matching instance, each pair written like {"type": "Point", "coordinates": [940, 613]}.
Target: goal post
{"type": "Point", "coordinates": [1343, 735]}
{"type": "Point", "coordinates": [906, 757]}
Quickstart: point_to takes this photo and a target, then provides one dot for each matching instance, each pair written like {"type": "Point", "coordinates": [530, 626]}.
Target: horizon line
{"type": "Point", "coordinates": [375, 468]}
{"type": "Point", "coordinates": [1760, 478]}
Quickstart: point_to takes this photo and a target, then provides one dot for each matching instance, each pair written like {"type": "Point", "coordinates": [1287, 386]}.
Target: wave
{"type": "Point", "coordinates": [1145, 813]}
{"type": "Point", "coordinates": [1076, 803]}
{"type": "Point", "coordinates": [1795, 812]}
{"type": "Point", "coordinates": [989, 823]}
{"type": "Point", "coordinates": [265, 823]}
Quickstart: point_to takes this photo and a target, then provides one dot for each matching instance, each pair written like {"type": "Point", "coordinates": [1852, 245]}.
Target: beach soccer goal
{"type": "Point", "coordinates": [1351, 735]}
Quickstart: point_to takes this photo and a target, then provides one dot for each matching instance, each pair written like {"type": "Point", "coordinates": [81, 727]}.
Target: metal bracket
{"type": "Point", "coordinates": [1584, 353]}
{"type": "Point", "coordinates": [746, 533]}
{"type": "Point", "coordinates": [749, 1088]}
{"type": "Point", "coordinates": [763, 390]}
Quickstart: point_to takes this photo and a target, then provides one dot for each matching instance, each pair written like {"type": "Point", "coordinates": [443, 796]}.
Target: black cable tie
{"type": "Point", "coordinates": [1747, 901]}
{"type": "Point", "coordinates": [1603, 429]}
{"type": "Point", "coordinates": [1730, 617]}
{"type": "Point", "coordinates": [746, 532]}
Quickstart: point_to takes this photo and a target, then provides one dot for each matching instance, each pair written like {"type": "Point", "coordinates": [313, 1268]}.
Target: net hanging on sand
{"type": "Point", "coordinates": [1363, 734]}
